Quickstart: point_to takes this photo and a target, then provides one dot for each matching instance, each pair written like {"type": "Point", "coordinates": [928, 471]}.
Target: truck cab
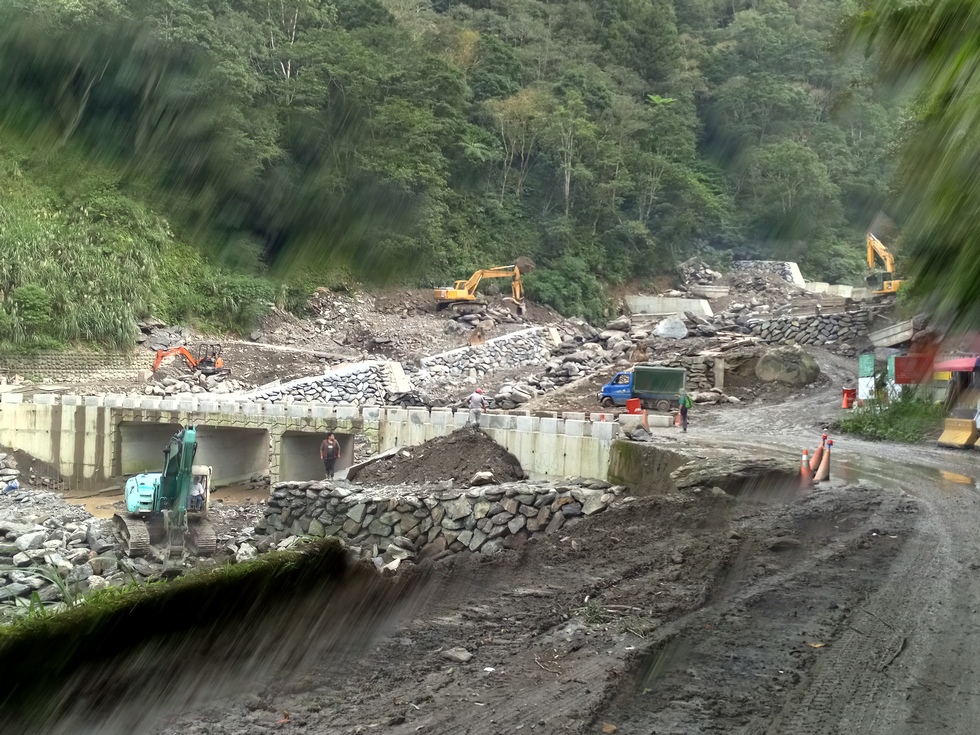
{"type": "Point", "coordinates": [617, 391]}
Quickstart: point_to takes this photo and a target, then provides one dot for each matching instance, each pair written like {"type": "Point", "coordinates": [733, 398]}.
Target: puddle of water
{"type": "Point", "coordinates": [110, 501]}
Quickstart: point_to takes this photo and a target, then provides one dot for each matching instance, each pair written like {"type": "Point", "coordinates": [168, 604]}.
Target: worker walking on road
{"type": "Point", "coordinates": [329, 453]}
{"type": "Point", "coordinates": [476, 403]}
{"type": "Point", "coordinates": [684, 401]}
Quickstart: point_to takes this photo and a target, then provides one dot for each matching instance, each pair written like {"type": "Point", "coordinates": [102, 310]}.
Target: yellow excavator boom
{"type": "Point", "coordinates": [887, 283]}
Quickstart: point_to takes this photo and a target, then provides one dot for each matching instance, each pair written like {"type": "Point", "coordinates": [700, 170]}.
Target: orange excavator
{"type": "Point", "coordinates": [207, 362]}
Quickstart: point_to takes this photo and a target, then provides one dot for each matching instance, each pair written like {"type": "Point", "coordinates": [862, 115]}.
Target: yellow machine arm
{"type": "Point", "coordinates": [881, 284]}
{"type": "Point", "coordinates": [875, 247]}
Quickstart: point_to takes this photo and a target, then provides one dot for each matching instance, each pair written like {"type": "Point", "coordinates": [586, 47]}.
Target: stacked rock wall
{"type": "Point", "coordinates": [363, 384]}
{"type": "Point", "coordinates": [67, 366]}
{"type": "Point", "coordinates": [814, 330]}
{"type": "Point", "coordinates": [527, 347]}
{"type": "Point", "coordinates": [789, 272]}
{"type": "Point", "coordinates": [479, 519]}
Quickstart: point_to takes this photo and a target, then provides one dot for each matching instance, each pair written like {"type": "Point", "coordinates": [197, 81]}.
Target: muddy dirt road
{"type": "Point", "coordinates": [848, 609]}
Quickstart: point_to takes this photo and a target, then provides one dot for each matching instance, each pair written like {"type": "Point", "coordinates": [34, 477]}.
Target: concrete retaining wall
{"type": "Point", "coordinates": [665, 305]}
{"type": "Point", "coordinates": [92, 438]}
{"type": "Point", "coordinates": [479, 519]}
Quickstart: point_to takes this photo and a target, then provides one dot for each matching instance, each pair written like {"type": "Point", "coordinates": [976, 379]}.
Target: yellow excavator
{"type": "Point", "coordinates": [882, 283]}
{"type": "Point", "coordinates": [464, 292]}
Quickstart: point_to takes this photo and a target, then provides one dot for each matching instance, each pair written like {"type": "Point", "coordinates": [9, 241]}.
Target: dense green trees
{"type": "Point", "coordinates": [420, 139]}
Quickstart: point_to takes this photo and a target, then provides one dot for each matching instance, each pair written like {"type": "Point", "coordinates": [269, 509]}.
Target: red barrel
{"type": "Point", "coordinates": [633, 405]}
{"type": "Point", "coordinates": [850, 395]}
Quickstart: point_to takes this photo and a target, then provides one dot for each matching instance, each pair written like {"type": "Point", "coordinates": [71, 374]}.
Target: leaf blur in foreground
{"type": "Point", "coordinates": [933, 49]}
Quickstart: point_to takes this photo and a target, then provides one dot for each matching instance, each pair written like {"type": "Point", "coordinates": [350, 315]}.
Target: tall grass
{"type": "Point", "coordinates": [81, 261]}
{"type": "Point", "coordinates": [908, 420]}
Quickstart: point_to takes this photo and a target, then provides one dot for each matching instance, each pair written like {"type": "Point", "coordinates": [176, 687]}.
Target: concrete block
{"type": "Point", "coordinates": [70, 400]}
{"type": "Point", "coordinates": [418, 416]}
{"type": "Point", "coordinates": [322, 411]}
{"type": "Point", "coordinates": [573, 415]}
{"type": "Point", "coordinates": [817, 287]}
{"type": "Point", "coordinates": [93, 401]}
{"type": "Point", "coordinates": [526, 423]}
{"type": "Point", "coordinates": [460, 418]}
{"type": "Point", "coordinates": [347, 412]}
{"type": "Point", "coordinates": [600, 417]}
{"type": "Point", "coordinates": [605, 431]}
{"type": "Point", "coordinates": [44, 399]}
{"type": "Point", "coordinates": [114, 401]}
{"type": "Point", "coordinates": [152, 404]}
{"type": "Point", "coordinates": [660, 419]}
{"type": "Point", "coordinates": [12, 398]}
{"type": "Point", "coordinates": [441, 416]}
{"type": "Point", "coordinates": [275, 409]}
{"type": "Point", "coordinates": [229, 407]}
{"type": "Point", "coordinates": [298, 410]}
{"type": "Point", "coordinates": [187, 404]}
{"type": "Point", "coordinates": [551, 426]}
{"type": "Point", "coordinates": [251, 409]}
{"type": "Point", "coordinates": [167, 405]}
{"type": "Point", "coordinates": [396, 415]}
{"type": "Point", "coordinates": [576, 428]}
{"type": "Point", "coordinates": [371, 413]}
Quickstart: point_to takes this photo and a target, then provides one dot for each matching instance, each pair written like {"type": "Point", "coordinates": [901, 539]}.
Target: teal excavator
{"type": "Point", "coordinates": [159, 511]}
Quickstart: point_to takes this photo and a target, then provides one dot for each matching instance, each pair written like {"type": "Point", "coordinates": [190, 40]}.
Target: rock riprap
{"type": "Point", "coordinates": [397, 523]}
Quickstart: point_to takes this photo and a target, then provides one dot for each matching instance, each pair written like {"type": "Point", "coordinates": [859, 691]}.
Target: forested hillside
{"type": "Point", "coordinates": [418, 140]}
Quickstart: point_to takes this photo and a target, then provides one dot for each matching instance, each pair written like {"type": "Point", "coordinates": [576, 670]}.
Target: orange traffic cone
{"type": "Point", "coordinates": [677, 419]}
{"type": "Point", "coordinates": [824, 472]}
{"type": "Point", "coordinates": [806, 476]}
{"type": "Point", "coordinates": [818, 454]}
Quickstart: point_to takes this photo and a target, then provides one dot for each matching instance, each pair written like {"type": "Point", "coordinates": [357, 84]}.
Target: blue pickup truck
{"type": "Point", "coordinates": [656, 387]}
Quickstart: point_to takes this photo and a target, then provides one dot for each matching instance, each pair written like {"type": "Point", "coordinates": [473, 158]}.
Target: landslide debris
{"type": "Point", "coordinates": [455, 457]}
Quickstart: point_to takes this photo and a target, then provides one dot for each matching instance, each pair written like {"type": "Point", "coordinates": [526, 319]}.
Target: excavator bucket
{"type": "Point", "coordinates": [959, 434]}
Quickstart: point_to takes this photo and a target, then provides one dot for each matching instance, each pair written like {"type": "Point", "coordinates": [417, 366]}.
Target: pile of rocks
{"type": "Point", "coordinates": [518, 349]}
{"type": "Point", "coordinates": [695, 272]}
{"type": "Point", "coordinates": [788, 272]}
{"type": "Point", "coordinates": [156, 335]}
{"type": "Point", "coordinates": [363, 384]}
{"type": "Point", "coordinates": [395, 524]}
{"type": "Point", "coordinates": [171, 385]}
{"type": "Point", "coordinates": [70, 552]}
{"type": "Point", "coordinates": [481, 316]}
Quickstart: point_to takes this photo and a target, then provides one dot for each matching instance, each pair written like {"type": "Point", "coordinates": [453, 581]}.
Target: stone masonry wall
{"type": "Point", "coordinates": [813, 330]}
{"type": "Point", "coordinates": [363, 384]}
{"type": "Point", "coordinates": [400, 522]}
{"type": "Point", "coordinates": [527, 347]}
{"type": "Point", "coordinates": [68, 366]}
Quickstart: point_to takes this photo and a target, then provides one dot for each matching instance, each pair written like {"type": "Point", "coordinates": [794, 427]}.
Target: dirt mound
{"type": "Point", "coordinates": [455, 457]}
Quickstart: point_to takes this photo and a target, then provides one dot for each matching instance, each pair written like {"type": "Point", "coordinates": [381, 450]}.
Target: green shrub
{"type": "Point", "coordinates": [908, 419]}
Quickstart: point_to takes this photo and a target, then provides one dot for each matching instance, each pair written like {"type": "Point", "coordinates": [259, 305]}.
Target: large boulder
{"type": "Point", "coordinates": [790, 364]}
{"type": "Point", "coordinates": [672, 328]}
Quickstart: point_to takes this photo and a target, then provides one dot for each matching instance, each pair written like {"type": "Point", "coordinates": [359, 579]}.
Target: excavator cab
{"type": "Point", "coordinates": [209, 361]}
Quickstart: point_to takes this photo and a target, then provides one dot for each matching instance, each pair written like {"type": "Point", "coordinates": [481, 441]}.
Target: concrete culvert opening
{"type": "Point", "coordinates": [299, 458]}
{"type": "Point", "coordinates": [235, 454]}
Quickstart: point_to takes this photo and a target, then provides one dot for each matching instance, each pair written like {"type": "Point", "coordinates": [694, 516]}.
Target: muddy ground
{"type": "Point", "coordinates": [686, 613]}
{"type": "Point", "coordinates": [456, 457]}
